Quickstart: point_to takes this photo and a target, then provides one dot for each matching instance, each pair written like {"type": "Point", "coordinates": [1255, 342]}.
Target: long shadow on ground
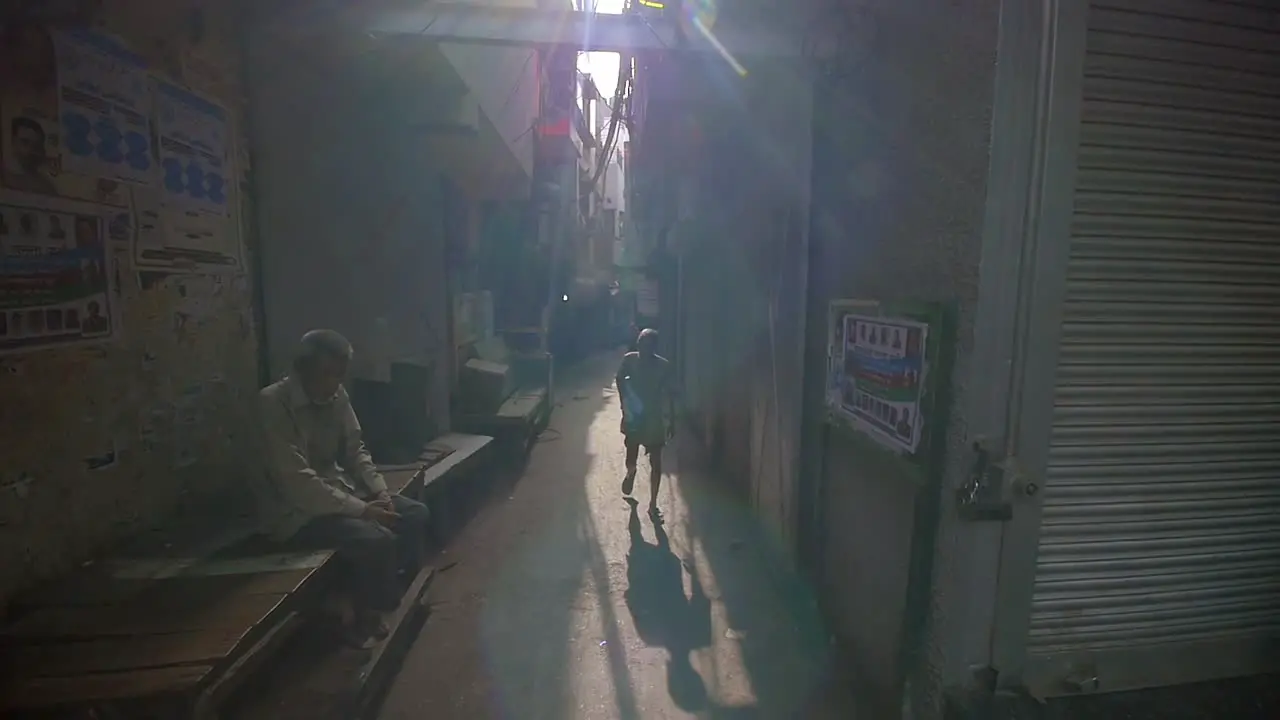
{"type": "Point", "coordinates": [497, 642]}
{"type": "Point", "coordinates": [771, 610]}
{"type": "Point", "coordinates": [664, 616]}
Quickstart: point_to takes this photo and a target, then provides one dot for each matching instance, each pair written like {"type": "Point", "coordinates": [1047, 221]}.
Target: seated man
{"type": "Point", "coordinates": [325, 491]}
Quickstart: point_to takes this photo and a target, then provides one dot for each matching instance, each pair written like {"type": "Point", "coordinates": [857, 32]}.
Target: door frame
{"type": "Point", "coordinates": [1040, 292]}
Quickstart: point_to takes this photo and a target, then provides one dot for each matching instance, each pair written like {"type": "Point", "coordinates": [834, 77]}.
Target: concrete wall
{"type": "Point", "coordinates": [901, 158]}
{"type": "Point", "coordinates": [350, 212]}
{"type": "Point", "coordinates": [741, 191]}
{"type": "Point", "coordinates": [505, 82]}
{"type": "Point", "coordinates": [170, 403]}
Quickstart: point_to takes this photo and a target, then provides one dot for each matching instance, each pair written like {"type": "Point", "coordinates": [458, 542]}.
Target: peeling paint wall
{"type": "Point", "coordinates": [163, 407]}
{"type": "Point", "coordinates": [351, 220]}
{"type": "Point", "coordinates": [901, 158]}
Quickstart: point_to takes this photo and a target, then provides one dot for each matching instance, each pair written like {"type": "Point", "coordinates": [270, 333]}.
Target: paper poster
{"type": "Point", "coordinates": [883, 375]}
{"type": "Point", "coordinates": [31, 146]}
{"type": "Point", "coordinates": [29, 97]}
{"type": "Point", "coordinates": [55, 279]}
{"type": "Point", "coordinates": [647, 298]}
{"type": "Point", "coordinates": [104, 107]}
{"type": "Point", "coordinates": [194, 151]}
{"type": "Point", "coordinates": [199, 296]}
{"type": "Point", "coordinates": [187, 241]}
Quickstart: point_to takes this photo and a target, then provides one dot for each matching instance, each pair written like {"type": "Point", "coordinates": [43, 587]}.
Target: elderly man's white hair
{"type": "Point", "coordinates": [321, 343]}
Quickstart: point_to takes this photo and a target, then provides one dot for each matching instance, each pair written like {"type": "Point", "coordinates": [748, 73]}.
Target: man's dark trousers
{"type": "Point", "coordinates": [372, 555]}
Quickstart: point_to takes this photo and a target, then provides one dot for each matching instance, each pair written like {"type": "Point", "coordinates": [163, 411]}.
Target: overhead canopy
{"type": "Point", "coordinates": [487, 24]}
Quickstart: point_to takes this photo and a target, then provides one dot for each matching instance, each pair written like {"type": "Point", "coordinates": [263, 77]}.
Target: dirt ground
{"type": "Point", "coordinates": [566, 604]}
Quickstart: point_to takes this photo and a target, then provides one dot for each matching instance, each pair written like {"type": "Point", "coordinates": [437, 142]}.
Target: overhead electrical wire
{"type": "Point", "coordinates": [618, 109]}
{"type": "Point", "coordinates": [621, 101]}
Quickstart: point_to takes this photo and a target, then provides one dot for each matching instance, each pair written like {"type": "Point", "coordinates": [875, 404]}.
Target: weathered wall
{"type": "Point", "coordinates": [169, 396]}
{"type": "Point", "coordinates": [504, 81]}
{"type": "Point", "coordinates": [902, 130]}
{"type": "Point", "coordinates": [350, 209]}
{"type": "Point", "coordinates": [739, 223]}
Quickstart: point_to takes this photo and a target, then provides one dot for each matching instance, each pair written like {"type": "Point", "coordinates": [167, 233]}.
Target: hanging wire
{"type": "Point", "coordinates": [621, 100]}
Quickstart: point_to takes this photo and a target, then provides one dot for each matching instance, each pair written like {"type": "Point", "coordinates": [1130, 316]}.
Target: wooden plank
{"type": "Point", "coordinates": [398, 480]}
{"type": "Point", "coordinates": [407, 479]}
{"type": "Point", "coordinates": [204, 536]}
{"type": "Point", "coordinates": [219, 613]}
{"type": "Point", "coordinates": [108, 590]}
{"type": "Point", "coordinates": [26, 694]}
{"type": "Point", "coordinates": [523, 406]}
{"type": "Point", "coordinates": [244, 666]}
{"type": "Point", "coordinates": [67, 659]}
{"type": "Point", "coordinates": [199, 540]}
{"type": "Point", "coordinates": [464, 447]}
{"type": "Point", "coordinates": [134, 568]}
{"type": "Point", "coordinates": [434, 452]}
{"type": "Point", "coordinates": [404, 625]}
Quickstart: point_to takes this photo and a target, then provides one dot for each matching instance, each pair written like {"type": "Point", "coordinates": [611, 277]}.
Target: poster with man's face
{"type": "Point", "coordinates": [29, 100]}
{"type": "Point", "coordinates": [30, 134]}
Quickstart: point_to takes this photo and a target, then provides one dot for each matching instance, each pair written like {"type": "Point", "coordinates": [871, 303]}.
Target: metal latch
{"type": "Point", "coordinates": [982, 496]}
{"type": "Point", "coordinates": [1082, 678]}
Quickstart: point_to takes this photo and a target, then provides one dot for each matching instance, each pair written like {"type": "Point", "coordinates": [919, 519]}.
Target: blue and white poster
{"type": "Point", "coordinates": [104, 109]}
{"type": "Point", "coordinates": [194, 151]}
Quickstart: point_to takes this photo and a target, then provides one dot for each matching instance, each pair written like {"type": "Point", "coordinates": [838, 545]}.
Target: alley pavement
{"type": "Point", "coordinates": [561, 601]}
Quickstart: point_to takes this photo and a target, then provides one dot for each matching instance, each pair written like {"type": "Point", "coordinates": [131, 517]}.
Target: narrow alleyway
{"type": "Point", "coordinates": [564, 604]}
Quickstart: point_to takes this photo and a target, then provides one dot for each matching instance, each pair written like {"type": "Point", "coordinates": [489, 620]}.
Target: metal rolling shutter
{"type": "Point", "coordinates": [1161, 509]}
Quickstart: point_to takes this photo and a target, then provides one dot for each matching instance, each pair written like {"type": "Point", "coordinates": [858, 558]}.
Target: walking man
{"type": "Point", "coordinates": [648, 411]}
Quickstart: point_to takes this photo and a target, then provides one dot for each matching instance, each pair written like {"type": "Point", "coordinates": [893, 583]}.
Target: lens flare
{"type": "Point", "coordinates": [700, 12]}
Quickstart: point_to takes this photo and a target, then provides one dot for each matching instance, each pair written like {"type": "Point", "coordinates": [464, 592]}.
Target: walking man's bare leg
{"type": "Point", "coordinates": [655, 481]}
{"type": "Point", "coordinates": [633, 454]}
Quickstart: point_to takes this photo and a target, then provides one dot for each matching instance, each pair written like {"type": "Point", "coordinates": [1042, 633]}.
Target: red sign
{"type": "Point", "coordinates": [554, 128]}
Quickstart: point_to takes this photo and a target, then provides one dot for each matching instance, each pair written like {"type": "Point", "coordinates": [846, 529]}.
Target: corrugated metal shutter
{"type": "Point", "coordinates": [1161, 510]}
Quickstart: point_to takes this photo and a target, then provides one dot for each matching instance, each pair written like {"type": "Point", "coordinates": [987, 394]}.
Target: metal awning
{"type": "Point", "coordinates": [474, 23]}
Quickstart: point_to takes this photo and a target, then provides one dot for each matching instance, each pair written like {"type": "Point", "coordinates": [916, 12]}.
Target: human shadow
{"type": "Point", "coordinates": [783, 639]}
{"type": "Point", "coordinates": [663, 614]}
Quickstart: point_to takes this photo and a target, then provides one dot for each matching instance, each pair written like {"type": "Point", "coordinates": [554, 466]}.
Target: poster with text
{"type": "Point", "coordinates": [30, 132]}
{"type": "Point", "coordinates": [183, 240]}
{"type": "Point", "coordinates": [194, 151]}
{"type": "Point", "coordinates": [55, 283]}
{"type": "Point", "coordinates": [884, 372]}
{"type": "Point", "coordinates": [104, 108]}
{"type": "Point", "coordinates": [835, 360]}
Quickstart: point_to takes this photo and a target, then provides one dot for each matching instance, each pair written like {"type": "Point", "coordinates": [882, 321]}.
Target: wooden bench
{"type": "Point", "coordinates": [167, 630]}
{"type": "Point", "coordinates": [448, 481]}
{"type": "Point", "coordinates": [174, 621]}
{"type": "Point", "coordinates": [347, 683]}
